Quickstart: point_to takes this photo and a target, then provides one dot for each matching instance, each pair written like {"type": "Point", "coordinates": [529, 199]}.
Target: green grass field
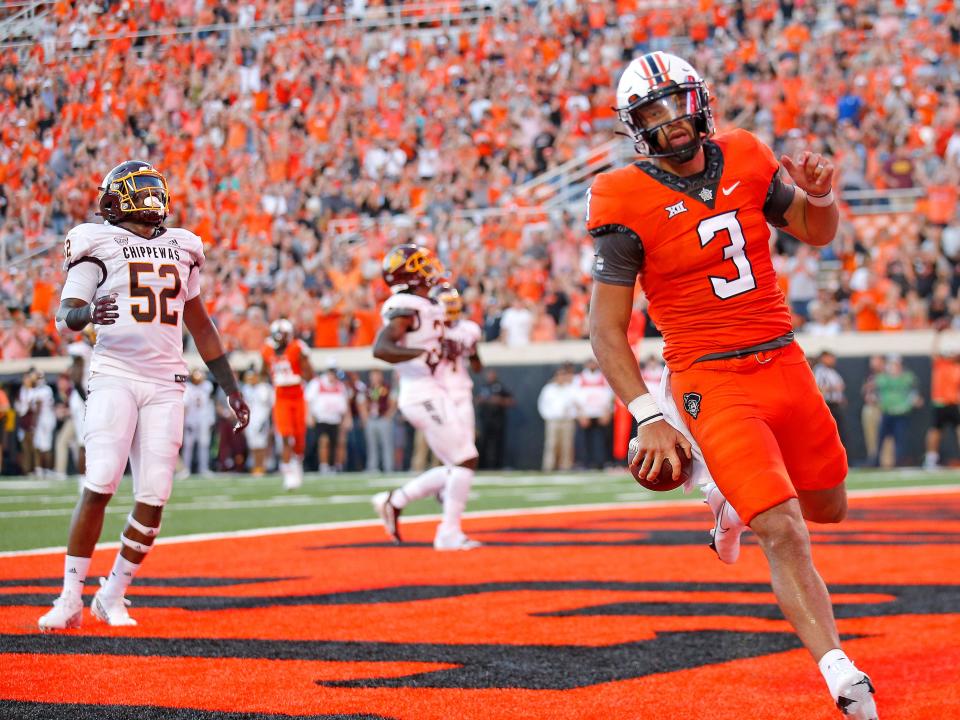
{"type": "Point", "coordinates": [36, 513]}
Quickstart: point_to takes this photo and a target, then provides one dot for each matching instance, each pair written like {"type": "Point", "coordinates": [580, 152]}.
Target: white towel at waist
{"type": "Point", "coordinates": [700, 474]}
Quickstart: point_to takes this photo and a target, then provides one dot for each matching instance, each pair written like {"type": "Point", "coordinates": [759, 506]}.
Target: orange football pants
{"type": "Point", "coordinates": [763, 426]}
{"type": "Point", "coordinates": [290, 418]}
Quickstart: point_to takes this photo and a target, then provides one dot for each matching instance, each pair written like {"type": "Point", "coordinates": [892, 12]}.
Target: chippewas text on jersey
{"type": "Point", "coordinates": [153, 252]}
{"type": "Point", "coordinates": [699, 244]}
{"type": "Point", "coordinates": [152, 279]}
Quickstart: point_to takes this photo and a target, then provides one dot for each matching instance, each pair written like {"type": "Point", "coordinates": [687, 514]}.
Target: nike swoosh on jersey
{"type": "Point", "coordinates": [728, 190]}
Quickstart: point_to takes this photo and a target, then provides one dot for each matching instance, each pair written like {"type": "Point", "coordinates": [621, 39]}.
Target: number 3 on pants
{"type": "Point", "coordinates": [745, 282]}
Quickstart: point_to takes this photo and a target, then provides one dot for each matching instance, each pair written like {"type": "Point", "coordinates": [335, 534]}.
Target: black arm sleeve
{"type": "Point", "coordinates": [223, 374]}
{"type": "Point", "coordinates": [78, 318]}
{"type": "Point", "coordinates": [618, 255]}
{"type": "Point", "coordinates": [779, 197]}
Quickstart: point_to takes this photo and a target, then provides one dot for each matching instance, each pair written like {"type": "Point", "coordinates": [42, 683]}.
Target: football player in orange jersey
{"type": "Point", "coordinates": [691, 220]}
{"type": "Point", "coordinates": [287, 361]}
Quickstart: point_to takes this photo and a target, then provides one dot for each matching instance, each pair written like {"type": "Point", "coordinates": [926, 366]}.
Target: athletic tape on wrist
{"type": "Point", "coordinates": [141, 528]}
{"type": "Point", "coordinates": [821, 200]}
{"type": "Point", "coordinates": [645, 410]}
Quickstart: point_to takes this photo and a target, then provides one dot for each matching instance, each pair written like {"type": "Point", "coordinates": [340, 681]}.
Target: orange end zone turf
{"type": "Point", "coordinates": [620, 613]}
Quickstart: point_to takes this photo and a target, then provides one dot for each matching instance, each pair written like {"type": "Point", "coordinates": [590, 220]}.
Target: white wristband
{"type": "Point", "coordinates": [821, 200]}
{"type": "Point", "coordinates": [645, 410]}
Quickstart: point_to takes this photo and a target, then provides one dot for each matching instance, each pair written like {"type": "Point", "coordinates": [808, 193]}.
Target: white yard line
{"type": "Point", "coordinates": [556, 509]}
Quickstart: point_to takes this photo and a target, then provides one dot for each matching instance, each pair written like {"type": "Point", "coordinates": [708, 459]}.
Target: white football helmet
{"type": "Point", "coordinates": [281, 332]}
{"type": "Point", "coordinates": [657, 90]}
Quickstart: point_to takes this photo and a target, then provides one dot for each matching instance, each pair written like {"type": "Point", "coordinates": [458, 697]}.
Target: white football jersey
{"type": "Point", "coordinates": [153, 279]}
{"type": "Point", "coordinates": [455, 374]}
{"type": "Point", "coordinates": [419, 376]}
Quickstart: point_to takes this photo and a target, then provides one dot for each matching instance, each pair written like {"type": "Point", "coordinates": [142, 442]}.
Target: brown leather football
{"type": "Point", "coordinates": [664, 480]}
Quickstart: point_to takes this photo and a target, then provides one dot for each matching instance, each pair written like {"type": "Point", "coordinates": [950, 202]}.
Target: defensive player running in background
{"type": "Point", "coordinates": [412, 340]}
{"type": "Point", "coordinates": [286, 360]}
{"type": "Point", "coordinates": [691, 221]}
{"type": "Point", "coordinates": [140, 283]}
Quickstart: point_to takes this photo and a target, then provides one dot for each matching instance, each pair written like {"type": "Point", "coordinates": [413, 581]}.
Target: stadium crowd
{"type": "Point", "coordinates": [299, 147]}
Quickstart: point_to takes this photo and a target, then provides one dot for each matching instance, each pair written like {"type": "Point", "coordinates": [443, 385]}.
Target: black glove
{"type": "Point", "coordinates": [104, 310]}
{"type": "Point", "coordinates": [240, 409]}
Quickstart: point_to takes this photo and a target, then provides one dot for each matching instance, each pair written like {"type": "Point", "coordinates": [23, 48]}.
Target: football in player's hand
{"type": "Point", "coordinates": [664, 480]}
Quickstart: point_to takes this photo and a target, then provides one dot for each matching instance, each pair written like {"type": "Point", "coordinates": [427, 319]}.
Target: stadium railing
{"type": "Point", "coordinates": [869, 202]}
{"type": "Point", "coordinates": [22, 19]}
{"type": "Point", "coordinates": [494, 354]}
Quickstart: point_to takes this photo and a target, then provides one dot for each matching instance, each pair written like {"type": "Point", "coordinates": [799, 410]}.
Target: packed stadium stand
{"type": "Point", "coordinates": [300, 139]}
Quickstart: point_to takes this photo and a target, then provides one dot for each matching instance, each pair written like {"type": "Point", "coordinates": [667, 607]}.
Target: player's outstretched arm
{"type": "Point", "coordinates": [210, 347]}
{"type": "Point", "coordinates": [610, 308]}
{"type": "Point", "coordinates": [812, 216]}
{"type": "Point", "coordinates": [387, 348]}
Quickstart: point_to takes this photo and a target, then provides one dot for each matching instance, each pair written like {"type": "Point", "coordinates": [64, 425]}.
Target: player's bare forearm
{"type": "Point", "coordinates": [387, 347]}
{"type": "Point", "coordinates": [204, 332]}
{"type": "Point", "coordinates": [306, 369]}
{"type": "Point", "coordinates": [475, 364]}
{"type": "Point", "coordinates": [813, 225]}
{"type": "Point", "coordinates": [610, 308]}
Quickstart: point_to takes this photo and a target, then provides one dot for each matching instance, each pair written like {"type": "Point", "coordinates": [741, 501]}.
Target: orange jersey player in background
{"type": "Point", "coordinates": [692, 222]}
{"type": "Point", "coordinates": [287, 361]}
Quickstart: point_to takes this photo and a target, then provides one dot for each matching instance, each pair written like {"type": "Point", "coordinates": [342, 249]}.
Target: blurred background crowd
{"type": "Point", "coordinates": [300, 139]}
{"type": "Point", "coordinates": [888, 415]}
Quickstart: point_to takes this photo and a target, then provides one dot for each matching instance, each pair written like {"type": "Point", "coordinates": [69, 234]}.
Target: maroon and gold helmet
{"type": "Point", "coordinates": [448, 296]}
{"type": "Point", "coordinates": [410, 266]}
{"type": "Point", "coordinates": [135, 191]}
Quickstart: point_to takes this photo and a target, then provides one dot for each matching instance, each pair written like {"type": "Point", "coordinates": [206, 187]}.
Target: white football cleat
{"type": "Point", "coordinates": [727, 528]}
{"type": "Point", "coordinates": [112, 612]}
{"type": "Point", "coordinates": [389, 514]}
{"type": "Point", "coordinates": [67, 613]}
{"type": "Point", "coordinates": [855, 697]}
{"type": "Point", "coordinates": [292, 481]}
{"type": "Point", "coordinates": [454, 541]}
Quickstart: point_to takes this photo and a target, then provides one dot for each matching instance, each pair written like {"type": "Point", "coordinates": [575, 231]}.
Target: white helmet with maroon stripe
{"type": "Point", "coordinates": [656, 94]}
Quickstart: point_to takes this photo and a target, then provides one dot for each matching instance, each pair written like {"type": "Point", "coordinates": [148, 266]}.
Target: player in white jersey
{"type": "Point", "coordinates": [199, 417]}
{"type": "Point", "coordinates": [461, 337]}
{"type": "Point", "coordinates": [36, 397]}
{"type": "Point", "coordinates": [412, 340]}
{"type": "Point", "coordinates": [139, 282]}
{"type": "Point", "coordinates": [259, 395]}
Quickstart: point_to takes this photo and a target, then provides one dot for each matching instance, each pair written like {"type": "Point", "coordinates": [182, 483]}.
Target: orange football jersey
{"type": "Point", "coordinates": [706, 270]}
{"type": "Point", "coordinates": [284, 368]}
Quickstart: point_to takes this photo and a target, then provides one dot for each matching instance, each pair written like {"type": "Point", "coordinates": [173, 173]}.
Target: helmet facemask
{"type": "Point", "coordinates": [408, 266]}
{"type": "Point", "coordinates": [653, 118]}
{"type": "Point", "coordinates": [139, 196]}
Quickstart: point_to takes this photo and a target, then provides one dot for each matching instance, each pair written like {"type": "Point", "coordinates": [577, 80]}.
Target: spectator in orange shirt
{"type": "Point", "coordinates": [864, 302]}
{"type": "Point", "coordinates": [327, 323]}
{"type": "Point", "coordinates": [944, 396]}
{"type": "Point", "coordinates": [253, 330]}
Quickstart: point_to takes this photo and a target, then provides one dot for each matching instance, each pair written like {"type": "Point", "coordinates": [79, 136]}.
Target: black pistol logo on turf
{"type": "Point", "coordinates": [691, 403]}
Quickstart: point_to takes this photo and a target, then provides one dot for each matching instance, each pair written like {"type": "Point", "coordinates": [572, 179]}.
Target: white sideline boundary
{"type": "Point", "coordinates": [506, 512]}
